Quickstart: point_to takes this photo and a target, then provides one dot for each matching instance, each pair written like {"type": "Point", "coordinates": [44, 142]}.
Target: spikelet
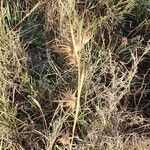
{"type": "Point", "coordinates": [71, 51]}
{"type": "Point", "coordinates": [64, 138]}
{"type": "Point", "coordinates": [68, 100]}
{"type": "Point", "coordinates": [124, 42]}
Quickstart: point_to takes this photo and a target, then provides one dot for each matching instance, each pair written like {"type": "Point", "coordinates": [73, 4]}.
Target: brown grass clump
{"type": "Point", "coordinates": [12, 67]}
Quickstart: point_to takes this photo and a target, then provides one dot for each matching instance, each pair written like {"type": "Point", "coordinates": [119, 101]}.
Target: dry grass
{"type": "Point", "coordinates": [74, 75]}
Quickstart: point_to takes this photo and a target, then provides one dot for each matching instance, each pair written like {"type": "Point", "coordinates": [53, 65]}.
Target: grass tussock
{"type": "Point", "coordinates": [74, 75]}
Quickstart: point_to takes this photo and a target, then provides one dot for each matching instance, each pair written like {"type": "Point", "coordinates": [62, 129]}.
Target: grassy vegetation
{"type": "Point", "coordinates": [75, 75]}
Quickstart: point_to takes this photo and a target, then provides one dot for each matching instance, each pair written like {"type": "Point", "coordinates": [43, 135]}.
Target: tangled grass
{"type": "Point", "coordinates": [74, 74]}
